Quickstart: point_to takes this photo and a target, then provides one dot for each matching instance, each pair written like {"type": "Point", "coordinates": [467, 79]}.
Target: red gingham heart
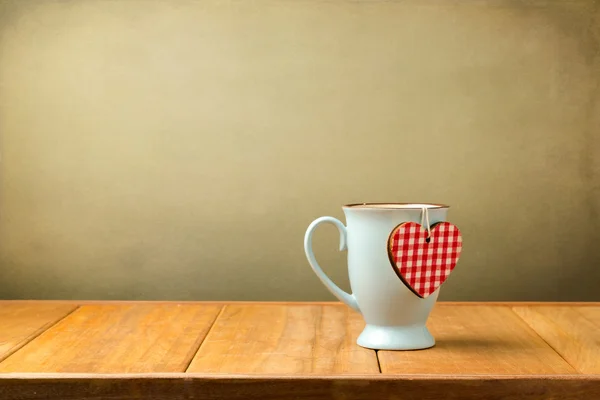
{"type": "Point", "coordinates": [423, 265]}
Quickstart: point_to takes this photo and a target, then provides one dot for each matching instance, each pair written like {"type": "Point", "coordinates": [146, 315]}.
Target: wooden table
{"type": "Point", "coordinates": [202, 350]}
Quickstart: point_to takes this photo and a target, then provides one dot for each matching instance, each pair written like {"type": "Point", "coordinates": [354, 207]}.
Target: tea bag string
{"type": "Point", "coordinates": [425, 219]}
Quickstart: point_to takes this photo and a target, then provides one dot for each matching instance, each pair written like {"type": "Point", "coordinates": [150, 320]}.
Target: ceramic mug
{"type": "Point", "coordinates": [395, 317]}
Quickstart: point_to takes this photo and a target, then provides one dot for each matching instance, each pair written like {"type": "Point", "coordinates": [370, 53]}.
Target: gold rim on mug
{"type": "Point", "coordinates": [396, 206]}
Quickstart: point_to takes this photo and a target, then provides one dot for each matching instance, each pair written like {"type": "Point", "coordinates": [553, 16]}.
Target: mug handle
{"type": "Point", "coordinates": [344, 297]}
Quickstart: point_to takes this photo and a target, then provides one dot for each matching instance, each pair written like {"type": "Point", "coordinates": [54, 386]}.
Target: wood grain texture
{"type": "Point", "coordinates": [118, 338]}
{"type": "Point", "coordinates": [574, 332]}
{"type": "Point", "coordinates": [292, 339]}
{"type": "Point", "coordinates": [477, 340]}
{"type": "Point", "coordinates": [20, 323]}
{"type": "Point", "coordinates": [249, 302]}
{"type": "Point", "coordinates": [192, 386]}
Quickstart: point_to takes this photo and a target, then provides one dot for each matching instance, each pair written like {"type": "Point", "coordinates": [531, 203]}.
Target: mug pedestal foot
{"type": "Point", "coordinates": [395, 338]}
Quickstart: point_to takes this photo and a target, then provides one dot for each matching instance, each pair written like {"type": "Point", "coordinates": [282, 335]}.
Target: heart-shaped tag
{"type": "Point", "coordinates": [424, 263]}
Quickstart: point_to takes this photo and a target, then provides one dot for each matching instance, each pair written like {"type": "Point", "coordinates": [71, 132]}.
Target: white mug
{"type": "Point", "coordinates": [395, 317]}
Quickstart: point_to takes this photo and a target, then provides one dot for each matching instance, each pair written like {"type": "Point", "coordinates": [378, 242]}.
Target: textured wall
{"type": "Point", "coordinates": [178, 149]}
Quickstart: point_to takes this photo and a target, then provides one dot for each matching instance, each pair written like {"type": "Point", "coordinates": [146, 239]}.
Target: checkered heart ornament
{"type": "Point", "coordinates": [424, 257]}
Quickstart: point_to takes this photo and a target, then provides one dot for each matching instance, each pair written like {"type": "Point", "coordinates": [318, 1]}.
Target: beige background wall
{"type": "Point", "coordinates": [178, 149]}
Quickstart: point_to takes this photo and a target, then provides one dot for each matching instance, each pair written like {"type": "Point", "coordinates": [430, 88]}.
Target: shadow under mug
{"type": "Point", "coordinates": [395, 317]}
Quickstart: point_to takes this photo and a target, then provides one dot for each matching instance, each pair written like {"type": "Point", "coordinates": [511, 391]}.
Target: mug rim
{"type": "Point", "coordinates": [395, 206]}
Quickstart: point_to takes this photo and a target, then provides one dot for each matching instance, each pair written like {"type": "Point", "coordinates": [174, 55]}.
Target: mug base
{"type": "Point", "coordinates": [395, 338]}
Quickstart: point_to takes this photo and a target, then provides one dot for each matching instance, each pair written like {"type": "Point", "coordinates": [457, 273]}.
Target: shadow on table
{"type": "Point", "coordinates": [462, 344]}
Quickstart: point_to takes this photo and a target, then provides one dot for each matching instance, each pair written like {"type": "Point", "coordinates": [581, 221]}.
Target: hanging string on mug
{"type": "Point", "coordinates": [425, 219]}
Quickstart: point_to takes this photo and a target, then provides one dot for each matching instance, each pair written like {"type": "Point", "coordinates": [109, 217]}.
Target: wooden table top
{"type": "Point", "coordinates": [208, 350]}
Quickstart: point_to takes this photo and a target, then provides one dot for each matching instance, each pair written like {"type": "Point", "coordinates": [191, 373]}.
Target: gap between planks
{"type": "Point", "coordinates": [545, 341]}
{"type": "Point", "coordinates": [204, 338]}
{"type": "Point", "coordinates": [36, 334]}
{"type": "Point", "coordinates": [577, 367]}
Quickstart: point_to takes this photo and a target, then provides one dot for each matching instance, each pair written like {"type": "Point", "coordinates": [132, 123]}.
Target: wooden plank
{"type": "Point", "coordinates": [192, 386]}
{"type": "Point", "coordinates": [574, 332]}
{"type": "Point", "coordinates": [292, 339]}
{"type": "Point", "coordinates": [20, 323]}
{"type": "Point", "coordinates": [592, 314]}
{"type": "Point", "coordinates": [477, 340]}
{"type": "Point", "coordinates": [118, 338]}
